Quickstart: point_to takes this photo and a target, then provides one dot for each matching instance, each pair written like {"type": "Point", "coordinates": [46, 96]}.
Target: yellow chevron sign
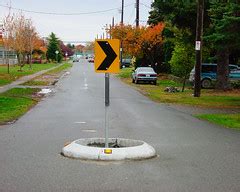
{"type": "Point", "coordinates": [107, 56]}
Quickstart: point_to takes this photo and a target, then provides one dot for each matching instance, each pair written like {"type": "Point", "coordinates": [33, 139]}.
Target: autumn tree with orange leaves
{"type": "Point", "coordinates": [141, 42]}
{"type": "Point", "coordinates": [21, 37]}
{"type": "Point", "coordinates": [152, 46]}
{"type": "Point", "coordinates": [130, 37]}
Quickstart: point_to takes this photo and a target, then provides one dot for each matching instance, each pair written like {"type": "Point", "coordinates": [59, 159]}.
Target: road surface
{"type": "Point", "coordinates": [193, 155]}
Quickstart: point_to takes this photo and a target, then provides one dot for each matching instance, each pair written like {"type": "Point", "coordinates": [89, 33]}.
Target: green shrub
{"type": "Point", "coordinates": [235, 84]}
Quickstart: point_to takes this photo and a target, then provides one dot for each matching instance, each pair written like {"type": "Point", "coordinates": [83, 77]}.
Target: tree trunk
{"type": "Point", "coordinates": [184, 82]}
{"type": "Point", "coordinates": [21, 61]}
{"type": "Point", "coordinates": [18, 59]}
{"type": "Point", "coordinates": [222, 70]}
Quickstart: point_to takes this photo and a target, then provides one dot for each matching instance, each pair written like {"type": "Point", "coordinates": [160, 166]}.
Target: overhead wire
{"type": "Point", "coordinates": [131, 15]}
{"type": "Point", "coordinates": [147, 6]}
{"type": "Point", "coordinates": [63, 14]}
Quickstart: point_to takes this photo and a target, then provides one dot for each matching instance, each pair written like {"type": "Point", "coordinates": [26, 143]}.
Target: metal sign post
{"type": "Point", "coordinates": [107, 61]}
{"type": "Point", "coordinates": [107, 104]}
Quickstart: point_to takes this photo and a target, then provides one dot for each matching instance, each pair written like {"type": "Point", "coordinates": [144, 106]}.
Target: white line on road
{"type": "Point", "coordinates": [89, 130]}
{"type": "Point", "coordinates": [80, 122]}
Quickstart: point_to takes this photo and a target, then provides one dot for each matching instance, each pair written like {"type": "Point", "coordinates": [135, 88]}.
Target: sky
{"type": "Point", "coordinates": [81, 27]}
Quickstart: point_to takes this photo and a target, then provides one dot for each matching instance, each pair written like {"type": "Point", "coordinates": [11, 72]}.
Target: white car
{"type": "Point", "coordinates": [144, 74]}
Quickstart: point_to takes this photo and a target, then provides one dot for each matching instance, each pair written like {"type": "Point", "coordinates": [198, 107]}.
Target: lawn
{"type": "Point", "coordinates": [14, 74]}
{"type": "Point", "coordinates": [209, 97]}
{"type": "Point", "coordinates": [226, 120]}
{"type": "Point", "coordinates": [49, 77]}
{"type": "Point", "coordinates": [16, 102]}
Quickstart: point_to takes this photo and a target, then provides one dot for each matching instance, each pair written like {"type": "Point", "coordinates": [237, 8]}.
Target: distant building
{"type": "Point", "coordinates": [7, 56]}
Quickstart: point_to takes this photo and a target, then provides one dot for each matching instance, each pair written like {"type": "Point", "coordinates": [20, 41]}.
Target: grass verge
{"type": "Point", "coordinates": [15, 74]}
{"type": "Point", "coordinates": [49, 77]}
{"type": "Point", "coordinates": [16, 102]}
{"type": "Point", "coordinates": [209, 98]}
{"type": "Point", "coordinates": [226, 120]}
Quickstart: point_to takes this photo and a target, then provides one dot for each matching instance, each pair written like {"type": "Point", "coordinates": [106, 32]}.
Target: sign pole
{"type": "Point", "coordinates": [107, 61]}
{"type": "Point", "coordinates": [107, 104]}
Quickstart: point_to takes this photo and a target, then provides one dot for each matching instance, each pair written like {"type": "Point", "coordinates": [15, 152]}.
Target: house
{"type": "Point", "coordinates": [7, 57]}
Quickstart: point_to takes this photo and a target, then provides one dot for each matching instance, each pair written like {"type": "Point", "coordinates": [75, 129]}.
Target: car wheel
{"type": "Point", "coordinates": [154, 82]}
{"type": "Point", "coordinates": [206, 83]}
{"type": "Point", "coordinates": [133, 81]}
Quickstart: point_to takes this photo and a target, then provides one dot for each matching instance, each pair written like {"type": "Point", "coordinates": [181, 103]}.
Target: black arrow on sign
{"type": "Point", "coordinates": [110, 55]}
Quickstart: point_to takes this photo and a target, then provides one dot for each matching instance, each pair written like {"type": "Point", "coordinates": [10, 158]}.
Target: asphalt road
{"type": "Point", "coordinates": [193, 155]}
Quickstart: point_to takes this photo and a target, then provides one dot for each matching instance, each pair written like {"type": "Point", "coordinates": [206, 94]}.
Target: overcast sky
{"type": "Point", "coordinates": [84, 27]}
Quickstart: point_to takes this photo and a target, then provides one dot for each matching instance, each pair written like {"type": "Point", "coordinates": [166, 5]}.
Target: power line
{"type": "Point", "coordinates": [65, 14]}
{"type": "Point", "coordinates": [145, 5]}
{"type": "Point", "coordinates": [131, 16]}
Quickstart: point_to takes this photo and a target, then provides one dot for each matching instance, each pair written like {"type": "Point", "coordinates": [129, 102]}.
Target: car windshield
{"type": "Point", "coordinates": [145, 69]}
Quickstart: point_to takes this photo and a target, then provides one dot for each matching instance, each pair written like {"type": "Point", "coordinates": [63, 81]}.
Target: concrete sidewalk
{"type": "Point", "coordinates": [25, 79]}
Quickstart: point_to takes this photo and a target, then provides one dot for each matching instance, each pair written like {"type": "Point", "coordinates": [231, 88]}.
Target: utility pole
{"type": "Point", "coordinates": [121, 44]}
{"type": "Point", "coordinates": [113, 22]}
{"type": "Point", "coordinates": [122, 12]}
{"type": "Point", "coordinates": [198, 48]}
{"type": "Point", "coordinates": [137, 13]}
{"type": "Point", "coordinates": [111, 27]}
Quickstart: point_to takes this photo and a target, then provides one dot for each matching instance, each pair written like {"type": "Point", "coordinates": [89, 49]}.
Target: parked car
{"type": "Point", "coordinates": [91, 60]}
{"type": "Point", "coordinates": [126, 63]}
{"type": "Point", "coordinates": [209, 74]}
{"type": "Point", "coordinates": [144, 74]}
{"type": "Point", "coordinates": [75, 60]}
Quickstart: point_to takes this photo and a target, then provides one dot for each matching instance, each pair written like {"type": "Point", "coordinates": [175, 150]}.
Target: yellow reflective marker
{"type": "Point", "coordinates": [107, 53]}
{"type": "Point", "coordinates": [108, 151]}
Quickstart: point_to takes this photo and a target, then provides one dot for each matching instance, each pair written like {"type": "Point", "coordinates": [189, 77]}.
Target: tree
{"type": "Point", "coordinates": [40, 49]}
{"type": "Point", "coordinates": [20, 37]}
{"type": "Point", "coordinates": [224, 34]}
{"type": "Point", "coordinates": [144, 43]}
{"type": "Point", "coordinates": [66, 50]}
{"type": "Point", "coordinates": [152, 46]}
{"type": "Point", "coordinates": [89, 47]}
{"type": "Point", "coordinates": [132, 41]}
{"type": "Point", "coordinates": [221, 30]}
{"type": "Point", "coordinates": [180, 20]}
{"type": "Point", "coordinates": [53, 46]}
{"type": "Point", "coordinates": [180, 14]}
{"type": "Point", "coordinates": [71, 46]}
{"type": "Point", "coordinates": [182, 61]}
{"type": "Point", "coordinates": [79, 48]}
{"type": "Point", "coordinates": [131, 38]}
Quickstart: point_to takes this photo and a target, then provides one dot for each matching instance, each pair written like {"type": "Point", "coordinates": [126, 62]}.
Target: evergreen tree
{"type": "Point", "coordinates": [54, 46]}
{"type": "Point", "coordinates": [180, 19]}
{"type": "Point", "coordinates": [225, 17]}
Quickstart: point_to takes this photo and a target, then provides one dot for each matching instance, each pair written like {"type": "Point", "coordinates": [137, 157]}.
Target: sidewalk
{"type": "Point", "coordinates": [25, 79]}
